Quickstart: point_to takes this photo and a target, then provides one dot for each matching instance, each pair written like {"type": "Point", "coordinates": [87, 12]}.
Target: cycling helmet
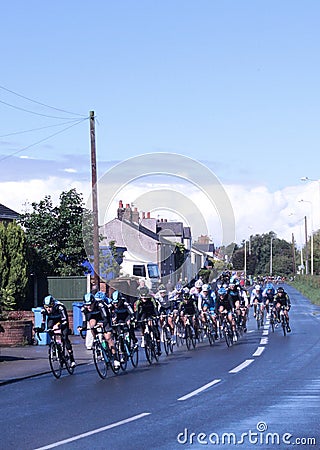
{"type": "Point", "coordinates": [144, 292]}
{"type": "Point", "coordinates": [222, 291]}
{"type": "Point", "coordinates": [186, 295]}
{"type": "Point", "coordinates": [115, 296]}
{"type": "Point", "coordinates": [100, 295]}
{"type": "Point", "coordinates": [280, 289]}
{"type": "Point", "coordinates": [186, 290]}
{"type": "Point", "coordinates": [206, 288]}
{"type": "Point", "coordinates": [162, 289]}
{"type": "Point", "coordinates": [49, 300]}
{"type": "Point", "coordinates": [88, 299]}
{"type": "Point", "coordinates": [257, 287]}
{"type": "Point", "coordinates": [198, 284]}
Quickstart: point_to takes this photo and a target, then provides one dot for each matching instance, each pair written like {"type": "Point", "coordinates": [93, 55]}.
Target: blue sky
{"type": "Point", "coordinates": [233, 84]}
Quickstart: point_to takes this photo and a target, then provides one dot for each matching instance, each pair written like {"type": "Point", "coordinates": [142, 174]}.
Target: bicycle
{"type": "Point", "coordinates": [227, 330]}
{"type": "Point", "coordinates": [57, 353]}
{"type": "Point", "coordinates": [273, 319]}
{"type": "Point", "coordinates": [283, 320]}
{"type": "Point", "coordinates": [102, 355]}
{"type": "Point", "coordinates": [189, 333]}
{"type": "Point", "coordinates": [150, 342]}
{"type": "Point", "coordinates": [166, 336]}
{"type": "Point", "coordinates": [259, 315]}
{"type": "Point", "coordinates": [125, 347]}
{"type": "Point", "coordinates": [209, 329]}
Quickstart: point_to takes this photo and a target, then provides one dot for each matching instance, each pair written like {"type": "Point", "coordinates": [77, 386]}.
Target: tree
{"type": "Point", "coordinates": [56, 235]}
{"type": "Point", "coordinates": [13, 266]}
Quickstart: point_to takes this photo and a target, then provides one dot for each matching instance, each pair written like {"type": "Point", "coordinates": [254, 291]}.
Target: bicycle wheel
{"type": "Point", "coordinates": [272, 322]}
{"type": "Point", "coordinates": [123, 353]}
{"type": "Point", "coordinates": [210, 333]}
{"type": "Point", "coordinates": [179, 334]}
{"type": "Point", "coordinates": [148, 347]}
{"type": "Point", "coordinates": [165, 340]}
{"type": "Point", "coordinates": [54, 359]}
{"type": "Point", "coordinates": [100, 359]}
{"type": "Point", "coordinates": [134, 354]}
{"type": "Point", "coordinates": [188, 336]}
{"type": "Point", "coordinates": [112, 357]}
{"type": "Point", "coordinates": [169, 339]}
{"type": "Point", "coordinates": [228, 335]}
{"type": "Point", "coordinates": [67, 361]}
{"type": "Point", "coordinates": [284, 325]}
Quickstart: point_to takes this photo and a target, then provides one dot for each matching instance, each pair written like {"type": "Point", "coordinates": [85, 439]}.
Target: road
{"type": "Point", "coordinates": [261, 393]}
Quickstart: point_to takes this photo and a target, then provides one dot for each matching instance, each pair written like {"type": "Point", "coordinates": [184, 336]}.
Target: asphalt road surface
{"type": "Point", "coordinates": [264, 392]}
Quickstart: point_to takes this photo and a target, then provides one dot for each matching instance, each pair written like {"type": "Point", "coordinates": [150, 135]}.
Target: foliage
{"type": "Point", "coordinates": [56, 235]}
{"type": "Point", "coordinates": [258, 255]}
{"type": "Point", "coordinates": [13, 266]}
{"type": "Point", "coordinates": [309, 286]}
{"type": "Point", "coordinates": [108, 262]}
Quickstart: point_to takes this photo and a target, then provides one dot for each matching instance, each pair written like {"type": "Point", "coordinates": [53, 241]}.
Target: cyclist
{"type": "Point", "coordinates": [188, 307]}
{"type": "Point", "coordinates": [54, 313]}
{"type": "Point", "coordinates": [257, 298]}
{"type": "Point", "coordinates": [122, 312]}
{"type": "Point", "coordinates": [235, 297]}
{"type": "Point", "coordinates": [147, 309]}
{"type": "Point", "coordinates": [206, 305]}
{"type": "Point", "coordinates": [268, 294]}
{"type": "Point", "coordinates": [282, 300]}
{"type": "Point", "coordinates": [165, 308]}
{"type": "Point", "coordinates": [224, 305]}
{"type": "Point", "coordinates": [95, 311]}
{"type": "Point", "coordinates": [196, 289]}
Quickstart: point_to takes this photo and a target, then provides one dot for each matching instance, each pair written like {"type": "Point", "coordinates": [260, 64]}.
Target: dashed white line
{"type": "Point", "coordinates": [265, 332]}
{"type": "Point", "coordinates": [241, 366]}
{"type": "Point", "coordinates": [90, 433]}
{"type": "Point", "coordinates": [203, 388]}
{"type": "Point", "coordinates": [263, 341]}
{"type": "Point", "coordinates": [258, 351]}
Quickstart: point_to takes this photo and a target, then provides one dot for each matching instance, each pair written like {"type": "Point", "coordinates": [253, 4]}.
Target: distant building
{"type": "Point", "coordinates": [8, 215]}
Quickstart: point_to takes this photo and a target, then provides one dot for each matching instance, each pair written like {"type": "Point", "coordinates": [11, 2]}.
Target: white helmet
{"type": "Point", "coordinates": [257, 287]}
{"type": "Point", "coordinates": [198, 284]}
{"type": "Point", "coordinates": [206, 288]}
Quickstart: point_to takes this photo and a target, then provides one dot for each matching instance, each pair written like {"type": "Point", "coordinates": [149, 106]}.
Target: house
{"type": "Point", "coordinates": [156, 241]}
{"type": "Point", "coordinates": [7, 215]}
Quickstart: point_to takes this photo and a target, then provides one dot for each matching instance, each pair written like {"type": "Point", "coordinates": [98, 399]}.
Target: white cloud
{"type": "Point", "coordinates": [256, 210]}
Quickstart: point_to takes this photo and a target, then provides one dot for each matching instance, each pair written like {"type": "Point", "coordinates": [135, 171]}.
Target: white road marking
{"type": "Point", "coordinates": [265, 332]}
{"type": "Point", "coordinates": [90, 433]}
{"type": "Point", "coordinates": [258, 351]}
{"type": "Point", "coordinates": [203, 388]}
{"type": "Point", "coordinates": [241, 366]}
{"type": "Point", "coordinates": [263, 341]}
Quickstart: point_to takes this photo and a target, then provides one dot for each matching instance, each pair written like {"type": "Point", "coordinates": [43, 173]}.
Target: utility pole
{"type": "Point", "coordinates": [271, 262]}
{"type": "Point", "coordinates": [306, 238]}
{"type": "Point", "coordinates": [96, 263]}
{"type": "Point", "coordinates": [293, 257]}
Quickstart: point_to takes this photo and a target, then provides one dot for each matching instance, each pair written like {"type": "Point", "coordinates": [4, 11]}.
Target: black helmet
{"type": "Point", "coordinates": [88, 299]}
{"type": "Point", "coordinates": [280, 289]}
{"type": "Point", "coordinates": [49, 300]}
{"type": "Point", "coordinates": [144, 292]}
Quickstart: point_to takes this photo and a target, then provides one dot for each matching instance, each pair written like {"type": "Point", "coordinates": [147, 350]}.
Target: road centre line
{"type": "Point", "coordinates": [241, 366]}
{"type": "Point", "coordinates": [258, 351]}
{"type": "Point", "coordinates": [203, 388]}
{"type": "Point", "coordinates": [263, 341]}
{"type": "Point", "coordinates": [265, 332]}
{"type": "Point", "coordinates": [90, 433]}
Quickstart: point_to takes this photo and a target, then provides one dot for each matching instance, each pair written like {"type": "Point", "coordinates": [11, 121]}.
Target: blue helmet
{"type": "Point", "coordinates": [49, 300]}
{"type": "Point", "coordinates": [222, 291]}
{"type": "Point", "coordinates": [88, 299]}
{"type": "Point", "coordinates": [100, 295]}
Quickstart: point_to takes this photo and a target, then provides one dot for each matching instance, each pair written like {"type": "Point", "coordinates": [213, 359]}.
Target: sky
{"type": "Point", "coordinates": [233, 85]}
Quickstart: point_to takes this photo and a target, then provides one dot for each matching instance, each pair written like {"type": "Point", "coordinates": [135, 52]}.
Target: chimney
{"type": "Point", "coordinates": [148, 215]}
{"type": "Point", "coordinates": [120, 210]}
{"type": "Point", "coordinates": [135, 215]}
{"type": "Point", "coordinates": [143, 215]}
{"type": "Point", "coordinates": [127, 213]}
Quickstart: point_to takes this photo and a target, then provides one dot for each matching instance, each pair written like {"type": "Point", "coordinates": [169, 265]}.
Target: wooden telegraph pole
{"type": "Point", "coordinates": [294, 268]}
{"type": "Point", "coordinates": [94, 202]}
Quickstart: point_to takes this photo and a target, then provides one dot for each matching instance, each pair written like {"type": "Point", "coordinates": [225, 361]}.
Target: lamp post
{"type": "Point", "coordinates": [311, 238]}
{"type": "Point", "coordinates": [317, 181]}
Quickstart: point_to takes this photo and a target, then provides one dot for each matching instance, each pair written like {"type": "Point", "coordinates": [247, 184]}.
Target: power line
{"type": "Point", "coordinates": [42, 104]}
{"type": "Point", "coordinates": [38, 129]}
{"type": "Point", "coordinates": [42, 140]}
{"type": "Point", "coordinates": [33, 112]}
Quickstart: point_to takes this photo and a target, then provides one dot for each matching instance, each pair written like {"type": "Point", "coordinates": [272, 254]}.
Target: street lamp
{"type": "Point", "coordinates": [311, 243]}
{"type": "Point", "coordinates": [313, 180]}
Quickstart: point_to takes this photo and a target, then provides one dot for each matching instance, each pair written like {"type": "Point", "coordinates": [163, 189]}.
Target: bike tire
{"type": "Point", "coordinates": [165, 341]}
{"type": "Point", "coordinates": [228, 336]}
{"type": "Point", "coordinates": [210, 333]}
{"type": "Point", "coordinates": [123, 355]}
{"type": "Point", "coordinates": [134, 356]}
{"type": "Point", "coordinates": [54, 359]}
{"type": "Point", "coordinates": [68, 363]}
{"type": "Point", "coordinates": [100, 360]}
{"type": "Point", "coordinates": [284, 326]}
{"type": "Point", "coordinates": [148, 348]}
